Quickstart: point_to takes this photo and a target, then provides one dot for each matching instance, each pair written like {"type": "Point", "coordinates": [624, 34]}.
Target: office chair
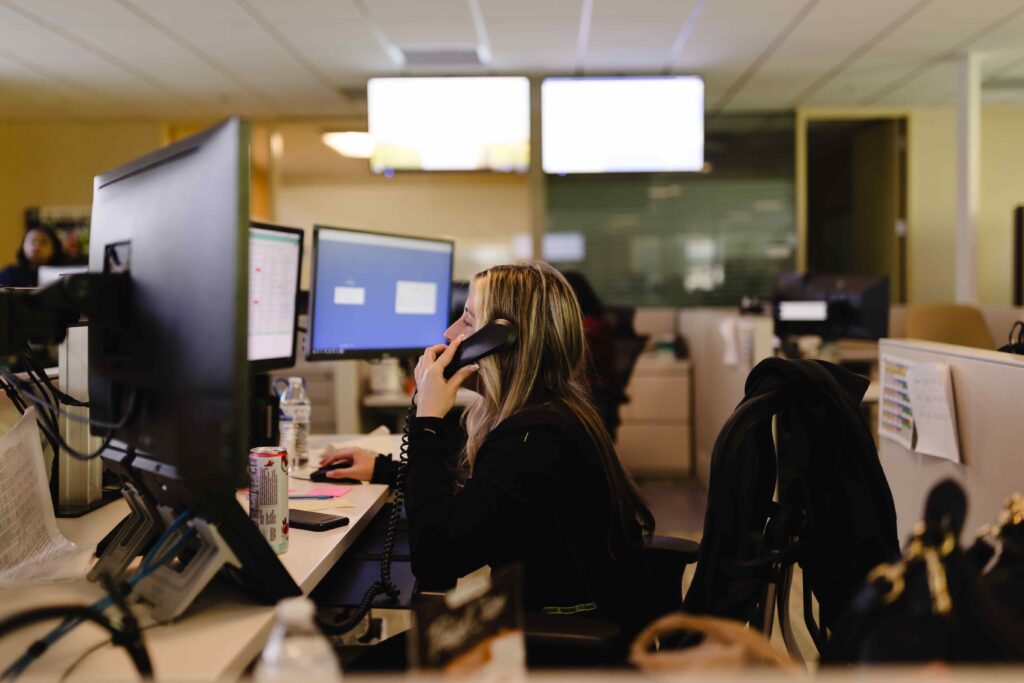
{"type": "Point", "coordinates": [949, 324]}
{"type": "Point", "coordinates": [556, 640]}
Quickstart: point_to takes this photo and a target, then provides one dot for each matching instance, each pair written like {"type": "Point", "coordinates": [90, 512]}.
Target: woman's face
{"type": "Point", "coordinates": [466, 324]}
{"type": "Point", "coordinates": [37, 247]}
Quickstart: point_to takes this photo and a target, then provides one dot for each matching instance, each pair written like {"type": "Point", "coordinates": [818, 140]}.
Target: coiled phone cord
{"type": "Point", "coordinates": [385, 584]}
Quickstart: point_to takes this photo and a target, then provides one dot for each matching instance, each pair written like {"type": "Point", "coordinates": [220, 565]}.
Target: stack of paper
{"type": "Point", "coordinates": [32, 549]}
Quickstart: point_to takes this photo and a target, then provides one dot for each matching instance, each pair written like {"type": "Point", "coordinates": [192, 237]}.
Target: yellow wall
{"type": "Point", "coordinates": [483, 212]}
{"type": "Point", "coordinates": [53, 164]}
{"type": "Point", "coordinates": [1002, 189]}
{"type": "Point", "coordinates": [931, 204]}
{"type": "Point", "coordinates": [931, 198]}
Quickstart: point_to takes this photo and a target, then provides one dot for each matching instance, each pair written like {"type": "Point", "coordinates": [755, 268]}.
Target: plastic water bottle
{"type": "Point", "coordinates": [296, 649]}
{"type": "Point", "coordinates": [295, 411]}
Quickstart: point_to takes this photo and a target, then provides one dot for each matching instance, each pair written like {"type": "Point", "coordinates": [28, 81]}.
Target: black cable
{"type": "Point", "coordinates": [24, 389]}
{"type": "Point", "coordinates": [22, 619]}
{"type": "Point", "coordinates": [384, 584]}
{"type": "Point", "coordinates": [58, 395]}
{"type": "Point", "coordinates": [92, 650]}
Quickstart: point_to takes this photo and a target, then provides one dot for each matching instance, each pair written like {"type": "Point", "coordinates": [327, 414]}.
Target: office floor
{"type": "Point", "coordinates": [677, 504]}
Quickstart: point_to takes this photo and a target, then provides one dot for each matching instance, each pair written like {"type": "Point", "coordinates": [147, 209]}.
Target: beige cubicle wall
{"type": "Point", "coordinates": [987, 387]}
{"type": "Point", "coordinates": [718, 379]}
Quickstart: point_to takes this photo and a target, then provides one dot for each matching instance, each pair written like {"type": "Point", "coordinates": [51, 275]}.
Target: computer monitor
{"type": "Point", "coordinates": [374, 294]}
{"type": "Point", "coordinates": [832, 306]}
{"type": "Point", "coordinates": [275, 258]}
{"type": "Point", "coordinates": [176, 221]}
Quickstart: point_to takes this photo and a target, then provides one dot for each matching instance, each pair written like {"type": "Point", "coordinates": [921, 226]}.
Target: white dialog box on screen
{"type": "Point", "coordinates": [349, 296]}
{"type": "Point", "coordinates": [415, 298]}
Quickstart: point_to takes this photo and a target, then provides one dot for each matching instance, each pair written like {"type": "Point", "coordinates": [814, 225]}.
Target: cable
{"type": "Point", "coordinates": [24, 389]}
{"type": "Point", "coordinates": [385, 584]}
{"type": "Point", "coordinates": [33, 360]}
{"type": "Point", "coordinates": [32, 616]}
{"type": "Point", "coordinates": [147, 567]}
{"type": "Point", "coordinates": [92, 650]}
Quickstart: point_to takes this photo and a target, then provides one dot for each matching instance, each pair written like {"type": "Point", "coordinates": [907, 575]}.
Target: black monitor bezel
{"type": "Point", "coordinates": [363, 354]}
{"type": "Point", "coordinates": [267, 364]}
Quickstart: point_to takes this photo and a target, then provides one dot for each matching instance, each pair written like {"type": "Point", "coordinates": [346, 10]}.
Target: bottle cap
{"type": "Point", "coordinates": [296, 611]}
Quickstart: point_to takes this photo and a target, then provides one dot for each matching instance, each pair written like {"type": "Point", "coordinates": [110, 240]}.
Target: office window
{"type": "Point", "coordinates": [694, 239]}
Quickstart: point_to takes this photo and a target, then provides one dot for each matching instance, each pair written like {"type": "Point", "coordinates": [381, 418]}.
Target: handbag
{"type": "Point", "coordinates": [726, 644]}
{"type": "Point", "coordinates": [930, 604]}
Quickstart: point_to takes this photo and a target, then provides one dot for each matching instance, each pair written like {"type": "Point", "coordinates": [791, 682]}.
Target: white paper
{"type": "Point", "coordinates": [32, 549]}
{"type": "Point", "coordinates": [930, 386]}
{"type": "Point", "coordinates": [895, 417]}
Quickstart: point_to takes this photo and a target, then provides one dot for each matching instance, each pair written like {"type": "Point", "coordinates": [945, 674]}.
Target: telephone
{"type": "Point", "coordinates": [495, 337]}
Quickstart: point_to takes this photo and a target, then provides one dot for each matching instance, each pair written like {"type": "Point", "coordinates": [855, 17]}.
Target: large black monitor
{"type": "Point", "coordinates": [275, 258]}
{"type": "Point", "coordinates": [375, 294]}
{"type": "Point", "coordinates": [177, 222]}
{"type": "Point", "coordinates": [832, 306]}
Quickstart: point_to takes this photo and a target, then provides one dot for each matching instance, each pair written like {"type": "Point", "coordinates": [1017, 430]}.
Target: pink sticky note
{"type": "Point", "coordinates": [333, 491]}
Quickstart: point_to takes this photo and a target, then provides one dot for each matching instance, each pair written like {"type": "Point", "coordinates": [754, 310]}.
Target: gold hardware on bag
{"type": "Point", "coordinates": [895, 574]}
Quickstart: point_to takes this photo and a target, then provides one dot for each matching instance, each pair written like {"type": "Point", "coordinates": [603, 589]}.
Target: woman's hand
{"type": "Point", "coordinates": [436, 395]}
{"type": "Point", "coordinates": [360, 462]}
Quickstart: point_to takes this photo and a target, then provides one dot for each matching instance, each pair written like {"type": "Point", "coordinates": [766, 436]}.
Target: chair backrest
{"type": "Point", "coordinates": [949, 324]}
{"type": "Point", "coordinates": [627, 351]}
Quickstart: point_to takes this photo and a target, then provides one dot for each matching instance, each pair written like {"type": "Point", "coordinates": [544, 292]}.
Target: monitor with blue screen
{"type": "Point", "coordinates": [374, 294]}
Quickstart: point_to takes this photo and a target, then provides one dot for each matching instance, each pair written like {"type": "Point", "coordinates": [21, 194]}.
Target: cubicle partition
{"type": "Point", "coordinates": [724, 347]}
{"type": "Point", "coordinates": [988, 387]}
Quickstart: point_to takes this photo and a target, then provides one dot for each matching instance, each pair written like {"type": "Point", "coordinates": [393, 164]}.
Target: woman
{"type": "Point", "coordinates": [39, 248]}
{"type": "Point", "coordinates": [546, 488]}
{"type": "Point", "coordinates": [602, 374]}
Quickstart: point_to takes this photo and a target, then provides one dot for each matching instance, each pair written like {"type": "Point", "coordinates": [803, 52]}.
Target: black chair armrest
{"type": "Point", "coordinates": [571, 630]}
{"type": "Point", "coordinates": [679, 549]}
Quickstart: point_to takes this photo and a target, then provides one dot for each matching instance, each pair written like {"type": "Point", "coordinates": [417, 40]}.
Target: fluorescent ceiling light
{"type": "Point", "coordinates": [350, 144]}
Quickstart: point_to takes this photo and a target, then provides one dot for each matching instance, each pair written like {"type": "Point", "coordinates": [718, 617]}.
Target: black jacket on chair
{"type": "Point", "coordinates": [834, 499]}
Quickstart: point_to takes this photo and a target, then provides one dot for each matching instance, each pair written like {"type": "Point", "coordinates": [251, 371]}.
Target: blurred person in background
{"type": "Point", "coordinates": [41, 247]}
{"type": "Point", "coordinates": [602, 376]}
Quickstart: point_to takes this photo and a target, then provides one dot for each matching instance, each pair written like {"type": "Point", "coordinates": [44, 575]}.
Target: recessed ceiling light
{"type": "Point", "coordinates": [350, 144]}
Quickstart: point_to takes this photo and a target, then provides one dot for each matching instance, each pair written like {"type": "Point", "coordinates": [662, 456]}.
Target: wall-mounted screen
{"type": "Point", "coordinates": [449, 124]}
{"type": "Point", "coordinates": [622, 125]}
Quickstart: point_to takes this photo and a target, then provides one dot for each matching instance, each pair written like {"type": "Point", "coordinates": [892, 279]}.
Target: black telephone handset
{"type": "Point", "coordinates": [494, 337]}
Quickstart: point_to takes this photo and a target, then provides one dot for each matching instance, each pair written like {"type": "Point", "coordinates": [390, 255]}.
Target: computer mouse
{"type": "Point", "coordinates": [320, 475]}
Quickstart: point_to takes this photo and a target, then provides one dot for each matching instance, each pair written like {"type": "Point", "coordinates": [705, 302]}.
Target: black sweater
{"type": "Point", "coordinates": [538, 497]}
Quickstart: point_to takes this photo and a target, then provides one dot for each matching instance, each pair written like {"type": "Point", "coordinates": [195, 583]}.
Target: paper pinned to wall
{"type": "Point", "coordinates": [32, 549]}
{"type": "Point", "coordinates": [930, 386]}
{"type": "Point", "coordinates": [895, 417]}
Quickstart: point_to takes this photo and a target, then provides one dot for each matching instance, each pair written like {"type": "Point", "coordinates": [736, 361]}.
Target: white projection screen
{"type": "Point", "coordinates": [449, 124]}
{"type": "Point", "coordinates": [622, 125]}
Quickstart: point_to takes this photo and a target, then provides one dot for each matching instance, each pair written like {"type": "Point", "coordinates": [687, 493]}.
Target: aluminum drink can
{"type": "Point", "coordinates": [268, 494]}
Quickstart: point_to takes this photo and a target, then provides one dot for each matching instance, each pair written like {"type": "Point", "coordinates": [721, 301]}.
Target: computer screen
{"type": "Point", "coordinates": [275, 257]}
{"type": "Point", "coordinates": [176, 221]}
{"type": "Point", "coordinates": [376, 294]}
{"type": "Point", "coordinates": [478, 123]}
{"type": "Point", "coordinates": [172, 221]}
{"type": "Point", "coordinates": [622, 124]}
{"type": "Point", "coordinates": [832, 306]}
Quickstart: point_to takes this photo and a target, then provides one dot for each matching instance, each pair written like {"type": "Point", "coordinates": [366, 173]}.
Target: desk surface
{"type": "Point", "coordinates": [219, 635]}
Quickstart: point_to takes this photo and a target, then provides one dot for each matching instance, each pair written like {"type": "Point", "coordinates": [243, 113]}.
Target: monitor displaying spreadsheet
{"type": "Point", "coordinates": [275, 257]}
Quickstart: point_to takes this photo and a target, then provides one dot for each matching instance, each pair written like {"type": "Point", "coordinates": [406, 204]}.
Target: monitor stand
{"type": "Point", "coordinates": [226, 543]}
{"type": "Point", "coordinates": [264, 417]}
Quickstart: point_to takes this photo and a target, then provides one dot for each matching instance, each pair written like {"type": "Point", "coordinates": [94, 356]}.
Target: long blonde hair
{"type": "Point", "coordinates": [546, 367]}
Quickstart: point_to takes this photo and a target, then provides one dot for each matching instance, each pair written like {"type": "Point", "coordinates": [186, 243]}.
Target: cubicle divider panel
{"type": "Point", "coordinates": [988, 389]}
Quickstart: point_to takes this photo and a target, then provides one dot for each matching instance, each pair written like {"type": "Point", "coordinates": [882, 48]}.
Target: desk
{"type": "Point", "coordinates": [219, 635]}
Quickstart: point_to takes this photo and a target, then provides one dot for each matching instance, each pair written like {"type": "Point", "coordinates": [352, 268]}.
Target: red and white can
{"type": "Point", "coordinates": [268, 494]}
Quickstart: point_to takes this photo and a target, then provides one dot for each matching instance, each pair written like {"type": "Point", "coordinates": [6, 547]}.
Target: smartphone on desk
{"type": "Point", "coordinates": [314, 521]}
